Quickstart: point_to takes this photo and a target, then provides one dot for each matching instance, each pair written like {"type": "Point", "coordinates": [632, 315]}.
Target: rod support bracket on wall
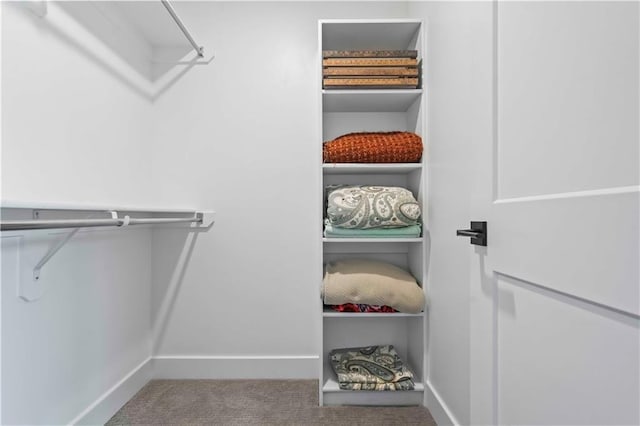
{"type": "Point", "coordinates": [52, 251]}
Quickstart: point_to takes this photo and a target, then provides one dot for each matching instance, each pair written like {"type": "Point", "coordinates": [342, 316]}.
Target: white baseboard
{"type": "Point", "coordinates": [112, 400]}
{"type": "Point", "coordinates": [236, 367]}
{"type": "Point", "coordinates": [438, 409]}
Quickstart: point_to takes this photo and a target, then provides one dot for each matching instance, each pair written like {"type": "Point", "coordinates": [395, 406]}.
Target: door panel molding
{"type": "Point", "coordinates": [582, 246]}
{"type": "Point", "coordinates": [594, 307]}
{"type": "Point", "coordinates": [576, 194]}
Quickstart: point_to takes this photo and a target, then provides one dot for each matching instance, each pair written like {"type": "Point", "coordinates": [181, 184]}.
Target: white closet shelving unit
{"type": "Point", "coordinates": [344, 111]}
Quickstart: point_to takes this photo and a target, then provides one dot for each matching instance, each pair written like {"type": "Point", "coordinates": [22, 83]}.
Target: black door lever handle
{"type": "Point", "coordinates": [468, 233]}
{"type": "Point", "coordinates": [478, 233]}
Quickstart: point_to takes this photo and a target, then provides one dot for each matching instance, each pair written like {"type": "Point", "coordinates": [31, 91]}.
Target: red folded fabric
{"type": "Point", "coordinates": [354, 307]}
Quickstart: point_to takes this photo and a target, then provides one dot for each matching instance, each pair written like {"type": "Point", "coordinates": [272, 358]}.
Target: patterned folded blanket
{"type": "Point", "coordinates": [370, 368]}
{"type": "Point", "coordinates": [412, 231]}
{"type": "Point", "coordinates": [365, 207]}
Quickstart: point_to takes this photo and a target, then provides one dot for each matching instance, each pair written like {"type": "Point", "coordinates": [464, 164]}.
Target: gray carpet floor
{"type": "Point", "coordinates": [251, 402]}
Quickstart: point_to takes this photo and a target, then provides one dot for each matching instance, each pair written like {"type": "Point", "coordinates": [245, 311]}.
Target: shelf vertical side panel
{"type": "Point", "coordinates": [320, 214]}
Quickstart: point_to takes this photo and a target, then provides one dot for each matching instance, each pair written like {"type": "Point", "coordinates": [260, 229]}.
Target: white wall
{"type": "Point", "coordinates": [73, 129]}
{"type": "Point", "coordinates": [73, 132]}
{"type": "Point", "coordinates": [90, 329]}
{"type": "Point", "coordinates": [459, 82]}
{"type": "Point", "coordinates": [240, 135]}
{"type": "Point", "coordinates": [218, 136]}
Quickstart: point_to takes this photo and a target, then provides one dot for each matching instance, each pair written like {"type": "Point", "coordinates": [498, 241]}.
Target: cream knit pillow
{"type": "Point", "coordinates": [371, 282]}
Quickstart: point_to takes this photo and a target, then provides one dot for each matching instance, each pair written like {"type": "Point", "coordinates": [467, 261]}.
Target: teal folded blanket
{"type": "Point", "coordinates": [412, 231]}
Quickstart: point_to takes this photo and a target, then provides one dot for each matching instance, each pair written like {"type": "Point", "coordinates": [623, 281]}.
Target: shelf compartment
{"type": "Point", "coordinates": [373, 100]}
{"type": "Point", "coordinates": [406, 334]}
{"type": "Point", "coordinates": [364, 168]}
{"type": "Point", "coordinates": [367, 34]}
{"type": "Point", "coordinates": [333, 395]}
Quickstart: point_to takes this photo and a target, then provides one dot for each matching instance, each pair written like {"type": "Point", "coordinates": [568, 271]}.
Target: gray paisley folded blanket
{"type": "Point", "coordinates": [370, 368]}
{"type": "Point", "coordinates": [366, 207]}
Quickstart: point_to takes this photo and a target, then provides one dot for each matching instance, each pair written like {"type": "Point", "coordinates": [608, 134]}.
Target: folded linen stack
{"type": "Point", "coordinates": [371, 368]}
{"type": "Point", "coordinates": [371, 282]}
{"type": "Point", "coordinates": [363, 211]}
{"type": "Point", "coordinates": [411, 231]}
{"type": "Point", "coordinates": [361, 307]}
{"type": "Point", "coordinates": [374, 147]}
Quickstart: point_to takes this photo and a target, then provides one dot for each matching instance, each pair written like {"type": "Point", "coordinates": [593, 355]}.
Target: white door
{"type": "Point", "coordinates": [555, 300]}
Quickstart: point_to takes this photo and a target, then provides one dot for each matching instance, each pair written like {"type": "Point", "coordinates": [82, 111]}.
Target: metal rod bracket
{"type": "Point", "coordinates": [52, 251]}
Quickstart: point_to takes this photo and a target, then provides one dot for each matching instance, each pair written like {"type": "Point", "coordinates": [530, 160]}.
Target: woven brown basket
{"type": "Point", "coordinates": [374, 147]}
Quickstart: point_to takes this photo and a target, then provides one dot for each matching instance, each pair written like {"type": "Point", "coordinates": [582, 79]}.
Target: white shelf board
{"type": "Point", "coordinates": [333, 395]}
{"type": "Point", "coordinates": [334, 314]}
{"type": "Point", "coordinates": [360, 168]}
{"type": "Point", "coordinates": [372, 240]}
{"type": "Point", "coordinates": [331, 385]}
{"type": "Point", "coordinates": [371, 100]}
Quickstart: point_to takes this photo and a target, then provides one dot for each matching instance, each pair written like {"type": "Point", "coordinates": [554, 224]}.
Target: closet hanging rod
{"type": "Point", "coordinates": [19, 225]}
{"type": "Point", "coordinates": [198, 49]}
